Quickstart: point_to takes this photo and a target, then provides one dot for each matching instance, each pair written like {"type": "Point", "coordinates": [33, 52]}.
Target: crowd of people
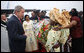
{"type": "Point", "coordinates": [21, 32]}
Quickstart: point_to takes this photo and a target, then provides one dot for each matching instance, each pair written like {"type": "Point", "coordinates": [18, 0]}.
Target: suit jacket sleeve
{"type": "Point", "coordinates": [13, 31]}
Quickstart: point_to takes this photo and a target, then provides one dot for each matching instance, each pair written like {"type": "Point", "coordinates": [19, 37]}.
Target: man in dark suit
{"type": "Point", "coordinates": [17, 38]}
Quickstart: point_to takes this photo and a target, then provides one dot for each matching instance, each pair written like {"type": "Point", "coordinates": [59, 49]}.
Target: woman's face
{"type": "Point", "coordinates": [27, 17]}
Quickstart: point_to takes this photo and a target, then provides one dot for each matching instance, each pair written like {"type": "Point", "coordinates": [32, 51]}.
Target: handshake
{"type": "Point", "coordinates": [57, 28]}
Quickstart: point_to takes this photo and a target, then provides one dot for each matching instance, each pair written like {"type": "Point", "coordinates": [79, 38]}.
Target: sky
{"type": "Point", "coordinates": [43, 5]}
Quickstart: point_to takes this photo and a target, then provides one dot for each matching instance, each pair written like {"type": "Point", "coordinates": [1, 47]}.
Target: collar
{"type": "Point", "coordinates": [16, 16]}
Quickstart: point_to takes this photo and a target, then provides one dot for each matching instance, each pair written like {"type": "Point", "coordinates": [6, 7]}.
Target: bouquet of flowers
{"type": "Point", "coordinates": [43, 32]}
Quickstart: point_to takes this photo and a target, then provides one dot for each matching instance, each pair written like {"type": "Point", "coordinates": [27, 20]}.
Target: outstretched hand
{"type": "Point", "coordinates": [60, 28]}
{"type": "Point", "coordinates": [57, 28]}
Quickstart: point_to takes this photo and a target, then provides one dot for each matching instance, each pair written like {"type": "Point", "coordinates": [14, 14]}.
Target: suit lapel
{"type": "Point", "coordinates": [19, 25]}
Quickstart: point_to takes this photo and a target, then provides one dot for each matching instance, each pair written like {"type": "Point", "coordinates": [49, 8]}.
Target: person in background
{"type": "Point", "coordinates": [80, 14]}
{"type": "Point", "coordinates": [4, 34]}
{"type": "Point", "coordinates": [34, 15]}
{"type": "Point", "coordinates": [3, 19]}
{"type": "Point", "coordinates": [16, 34]}
{"type": "Point", "coordinates": [75, 31]}
{"type": "Point", "coordinates": [43, 15]}
{"type": "Point", "coordinates": [31, 42]}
